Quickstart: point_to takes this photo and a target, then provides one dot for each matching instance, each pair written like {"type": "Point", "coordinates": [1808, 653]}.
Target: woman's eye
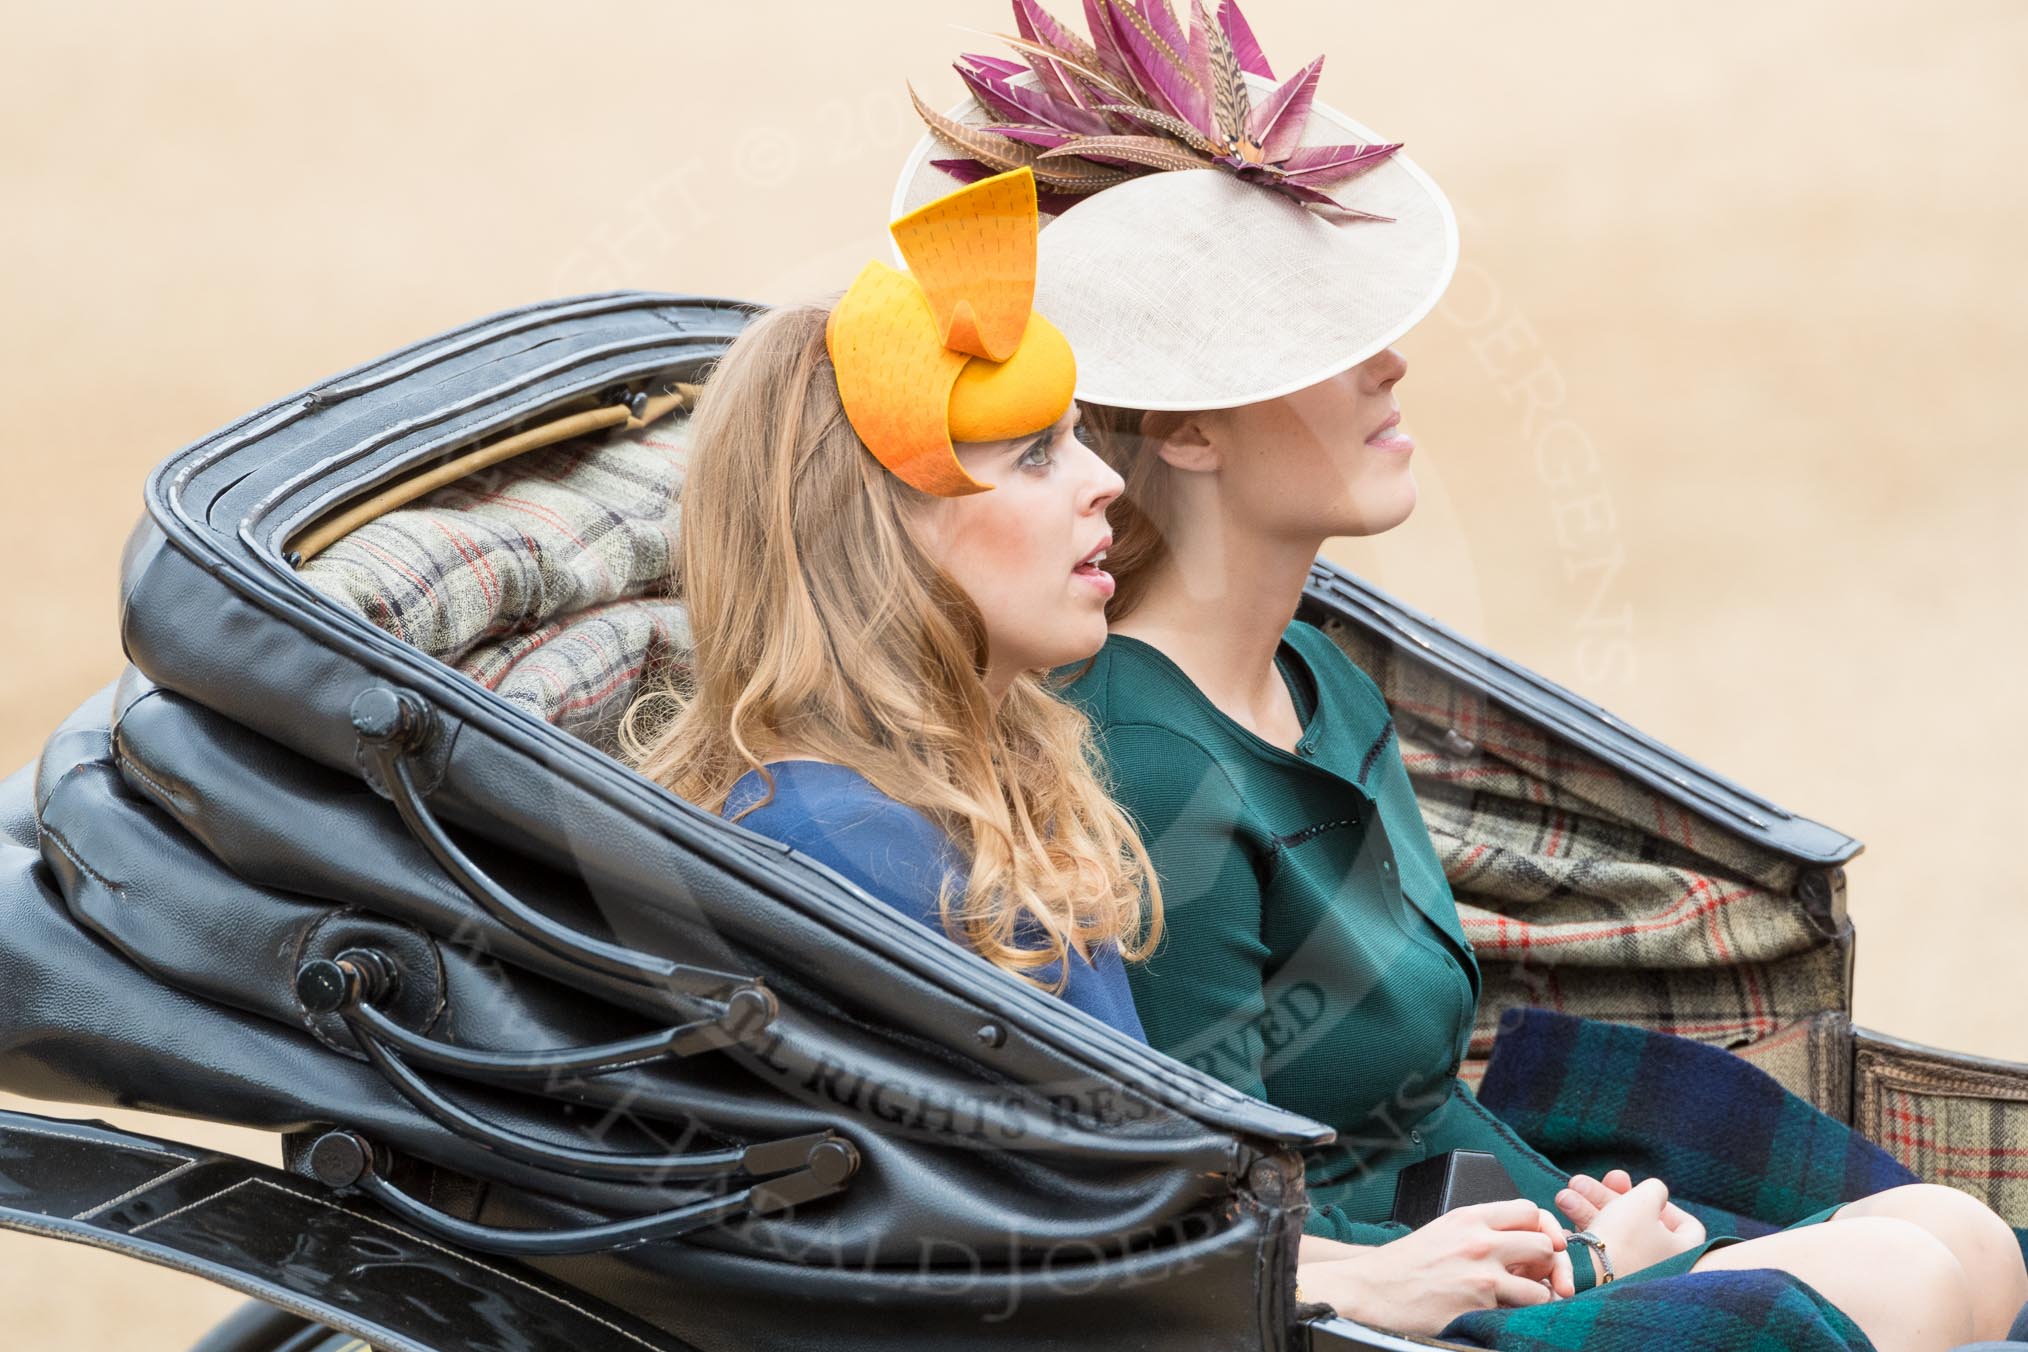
{"type": "Point", "coordinates": [1084, 434]}
{"type": "Point", "coordinates": [1038, 455]}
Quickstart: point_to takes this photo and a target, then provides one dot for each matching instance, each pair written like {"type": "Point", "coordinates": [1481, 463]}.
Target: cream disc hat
{"type": "Point", "coordinates": [1197, 289]}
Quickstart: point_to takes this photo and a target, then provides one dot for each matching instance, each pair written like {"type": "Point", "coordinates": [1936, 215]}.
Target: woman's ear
{"type": "Point", "coordinates": [1183, 439]}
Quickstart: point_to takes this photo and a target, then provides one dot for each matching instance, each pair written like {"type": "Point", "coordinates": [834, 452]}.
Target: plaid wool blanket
{"type": "Point", "coordinates": [1738, 1151]}
{"type": "Point", "coordinates": [1750, 1311]}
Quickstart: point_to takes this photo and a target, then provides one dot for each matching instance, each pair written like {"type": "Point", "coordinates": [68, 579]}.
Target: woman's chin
{"type": "Point", "coordinates": [1078, 641]}
{"type": "Point", "coordinates": [1375, 513]}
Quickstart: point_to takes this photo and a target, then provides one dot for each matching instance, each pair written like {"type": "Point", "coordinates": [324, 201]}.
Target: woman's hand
{"type": "Point", "coordinates": [1589, 1195]}
{"type": "Point", "coordinates": [1473, 1258]}
{"type": "Point", "coordinates": [1635, 1223]}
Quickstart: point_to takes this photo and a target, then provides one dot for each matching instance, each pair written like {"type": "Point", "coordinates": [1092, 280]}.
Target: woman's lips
{"type": "Point", "coordinates": [1391, 437]}
{"type": "Point", "coordinates": [1099, 578]}
{"type": "Point", "coordinates": [1090, 571]}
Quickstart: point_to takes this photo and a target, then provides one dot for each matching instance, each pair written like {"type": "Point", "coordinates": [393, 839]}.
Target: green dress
{"type": "Point", "coordinates": [1312, 953]}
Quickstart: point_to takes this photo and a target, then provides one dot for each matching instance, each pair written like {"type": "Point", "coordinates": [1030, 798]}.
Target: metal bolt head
{"type": "Point", "coordinates": [750, 1009]}
{"type": "Point", "coordinates": [393, 716]}
{"type": "Point", "coordinates": [991, 1034]}
{"type": "Point", "coordinates": [378, 714]}
{"type": "Point", "coordinates": [832, 1162]}
{"type": "Point", "coordinates": [323, 987]}
{"type": "Point", "coordinates": [339, 1159]}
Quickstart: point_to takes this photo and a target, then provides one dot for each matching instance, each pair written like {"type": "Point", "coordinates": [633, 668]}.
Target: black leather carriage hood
{"type": "Point", "coordinates": [896, 1144]}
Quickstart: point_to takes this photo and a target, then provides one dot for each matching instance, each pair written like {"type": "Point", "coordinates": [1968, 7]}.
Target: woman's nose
{"type": "Point", "coordinates": [1385, 367]}
{"type": "Point", "coordinates": [1106, 484]}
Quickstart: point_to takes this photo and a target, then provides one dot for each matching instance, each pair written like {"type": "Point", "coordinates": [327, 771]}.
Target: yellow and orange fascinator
{"type": "Point", "coordinates": [951, 350]}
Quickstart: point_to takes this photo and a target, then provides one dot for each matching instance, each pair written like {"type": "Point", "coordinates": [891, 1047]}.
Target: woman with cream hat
{"type": "Point", "coordinates": [1231, 260]}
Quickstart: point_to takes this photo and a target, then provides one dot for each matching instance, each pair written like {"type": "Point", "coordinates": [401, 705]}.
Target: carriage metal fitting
{"type": "Point", "coordinates": [568, 1160]}
{"type": "Point", "coordinates": [393, 717]}
{"type": "Point", "coordinates": [826, 1167]}
{"type": "Point", "coordinates": [358, 981]}
{"type": "Point", "coordinates": [389, 1047]}
{"type": "Point", "coordinates": [821, 1164]}
{"type": "Point", "coordinates": [356, 976]}
{"type": "Point", "coordinates": [340, 1159]}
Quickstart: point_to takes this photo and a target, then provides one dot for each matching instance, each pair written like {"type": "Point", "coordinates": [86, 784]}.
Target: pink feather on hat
{"type": "Point", "coordinates": [1143, 95]}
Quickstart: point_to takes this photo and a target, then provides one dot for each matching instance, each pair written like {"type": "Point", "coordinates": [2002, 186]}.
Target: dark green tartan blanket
{"type": "Point", "coordinates": [1738, 1151]}
{"type": "Point", "coordinates": [1754, 1311]}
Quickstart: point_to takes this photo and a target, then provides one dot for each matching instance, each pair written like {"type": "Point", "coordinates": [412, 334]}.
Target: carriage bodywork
{"type": "Point", "coordinates": [609, 1057]}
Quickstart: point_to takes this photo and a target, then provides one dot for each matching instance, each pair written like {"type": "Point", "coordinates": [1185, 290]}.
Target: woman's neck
{"type": "Point", "coordinates": [1217, 605]}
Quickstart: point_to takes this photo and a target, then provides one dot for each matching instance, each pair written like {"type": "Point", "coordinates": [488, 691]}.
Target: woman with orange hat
{"type": "Point", "coordinates": [890, 532]}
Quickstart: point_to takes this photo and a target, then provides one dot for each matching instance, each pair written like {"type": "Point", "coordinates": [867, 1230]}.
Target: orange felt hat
{"type": "Point", "coordinates": [951, 350]}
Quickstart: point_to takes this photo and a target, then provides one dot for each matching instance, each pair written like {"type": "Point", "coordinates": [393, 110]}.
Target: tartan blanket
{"type": "Point", "coordinates": [517, 545]}
{"type": "Point", "coordinates": [1751, 1311]}
{"type": "Point", "coordinates": [545, 578]}
{"type": "Point", "coordinates": [1738, 1151]}
{"type": "Point", "coordinates": [582, 671]}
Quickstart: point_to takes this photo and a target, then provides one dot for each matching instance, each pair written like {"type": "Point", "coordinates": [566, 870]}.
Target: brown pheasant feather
{"type": "Point", "coordinates": [1230, 107]}
{"type": "Point", "coordinates": [1000, 153]}
{"type": "Point", "coordinates": [1153, 151]}
{"type": "Point", "coordinates": [1175, 126]}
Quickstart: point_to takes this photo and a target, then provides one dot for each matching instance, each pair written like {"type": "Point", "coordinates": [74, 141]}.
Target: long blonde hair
{"type": "Point", "coordinates": [821, 625]}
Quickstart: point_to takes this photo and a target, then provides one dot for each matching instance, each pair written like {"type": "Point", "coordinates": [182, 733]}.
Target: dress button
{"type": "Point", "coordinates": [1387, 866]}
{"type": "Point", "coordinates": [1415, 1137]}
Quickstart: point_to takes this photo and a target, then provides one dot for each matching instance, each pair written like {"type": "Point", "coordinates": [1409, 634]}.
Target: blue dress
{"type": "Point", "coordinates": [833, 814]}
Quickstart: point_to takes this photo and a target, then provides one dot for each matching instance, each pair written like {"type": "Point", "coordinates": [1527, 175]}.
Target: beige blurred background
{"type": "Point", "coordinates": [1719, 423]}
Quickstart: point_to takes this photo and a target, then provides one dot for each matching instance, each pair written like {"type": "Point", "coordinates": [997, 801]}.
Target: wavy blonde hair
{"type": "Point", "coordinates": [822, 627]}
